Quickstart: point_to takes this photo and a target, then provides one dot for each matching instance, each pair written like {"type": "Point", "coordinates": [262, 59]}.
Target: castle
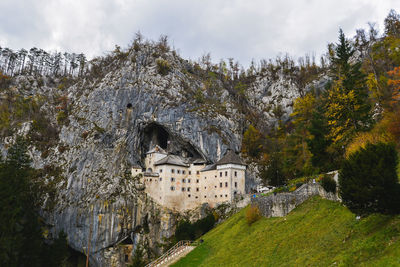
{"type": "Point", "coordinates": [181, 183]}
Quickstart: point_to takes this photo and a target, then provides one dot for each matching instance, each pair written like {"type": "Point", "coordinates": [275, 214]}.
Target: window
{"type": "Point", "coordinates": [197, 189]}
{"type": "Point", "coordinates": [226, 195]}
{"type": "Point", "coordinates": [190, 172]}
{"type": "Point", "coordinates": [198, 172]}
{"type": "Point", "coordinates": [178, 171]}
{"type": "Point", "coordinates": [151, 179]}
{"type": "Point", "coordinates": [197, 180]}
{"type": "Point", "coordinates": [172, 179]}
{"type": "Point", "coordinates": [235, 184]}
{"type": "Point", "coordinates": [215, 196]}
{"type": "Point", "coordinates": [160, 179]}
{"type": "Point", "coordinates": [226, 184]}
{"type": "Point", "coordinates": [197, 197]}
{"type": "Point", "coordinates": [215, 186]}
{"type": "Point", "coordinates": [220, 174]}
{"type": "Point", "coordinates": [172, 188]}
{"type": "Point", "coordinates": [188, 189]}
{"type": "Point", "coordinates": [188, 180]}
{"type": "Point", "coordinates": [205, 196]}
{"type": "Point", "coordinates": [183, 172]}
{"type": "Point", "coordinates": [220, 195]}
{"type": "Point", "coordinates": [189, 195]}
{"type": "Point", "coordinates": [160, 170]}
{"type": "Point", "coordinates": [183, 189]}
{"type": "Point", "coordinates": [205, 187]}
{"type": "Point", "coordinates": [172, 171]}
{"type": "Point", "coordinates": [183, 180]}
{"type": "Point", "coordinates": [226, 173]}
{"type": "Point", "coordinates": [220, 184]}
{"type": "Point", "coordinates": [235, 173]}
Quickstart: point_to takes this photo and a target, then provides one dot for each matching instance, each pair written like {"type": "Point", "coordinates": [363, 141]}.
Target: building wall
{"type": "Point", "coordinates": [183, 188]}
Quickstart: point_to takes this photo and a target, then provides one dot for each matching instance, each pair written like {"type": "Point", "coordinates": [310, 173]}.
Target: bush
{"type": "Point", "coordinates": [163, 66]}
{"type": "Point", "coordinates": [61, 117]}
{"type": "Point", "coordinates": [368, 180]}
{"type": "Point", "coordinates": [252, 214]}
{"type": "Point", "coordinates": [191, 231]}
{"type": "Point", "coordinates": [329, 184]}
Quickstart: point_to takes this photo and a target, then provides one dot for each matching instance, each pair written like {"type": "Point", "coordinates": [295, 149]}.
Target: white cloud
{"type": "Point", "coordinates": [241, 29]}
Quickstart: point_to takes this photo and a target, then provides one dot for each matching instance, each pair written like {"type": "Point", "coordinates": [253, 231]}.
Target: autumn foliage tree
{"type": "Point", "coordinates": [347, 106]}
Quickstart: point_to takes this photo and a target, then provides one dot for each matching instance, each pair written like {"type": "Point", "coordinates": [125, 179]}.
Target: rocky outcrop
{"type": "Point", "coordinates": [280, 205]}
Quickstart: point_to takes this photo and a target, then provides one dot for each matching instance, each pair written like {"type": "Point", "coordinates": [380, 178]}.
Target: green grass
{"type": "Point", "coordinates": [317, 233]}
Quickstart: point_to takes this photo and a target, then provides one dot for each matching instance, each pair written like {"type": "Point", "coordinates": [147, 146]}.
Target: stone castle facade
{"type": "Point", "coordinates": [181, 183]}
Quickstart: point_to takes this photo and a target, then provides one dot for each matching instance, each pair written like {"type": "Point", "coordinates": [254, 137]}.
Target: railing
{"type": "Point", "coordinates": [172, 252]}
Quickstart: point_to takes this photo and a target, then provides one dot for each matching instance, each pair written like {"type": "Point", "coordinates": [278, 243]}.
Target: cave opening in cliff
{"type": "Point", "coordinates": [127, 241]}
{"type": "Point", "coordinates": [155, 134]}
{"type": "Point", "coordinates": [75, 258]}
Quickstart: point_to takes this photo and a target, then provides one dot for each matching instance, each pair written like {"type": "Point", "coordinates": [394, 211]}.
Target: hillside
{"type": "Point", "coordinates": [317, 233]}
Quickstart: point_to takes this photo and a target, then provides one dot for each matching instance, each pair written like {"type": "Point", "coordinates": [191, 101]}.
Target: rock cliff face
{"type": "Point", "coordinates": [111, 123]}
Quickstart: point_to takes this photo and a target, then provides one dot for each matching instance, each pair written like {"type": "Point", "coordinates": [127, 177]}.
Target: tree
{"type": "Point", "coordinates": [302, 117]}
{"type": "Point", "coordinates": [395, 83]}
{"type": "Point", "coordinates": [272, 173]}
{"type": "Point", "coordinates": [392, 24]}
{"type": "Point", "coordinates": [137, 259]}
{"type": "Point", "coordinates": [21, 240]}
{"type": "Point", "coordinates": [368, 181]}
{"type": "Point", "coordinates": [252, 142]}
{"type": "Point", "coordinates": [318, 143]}
{"type": "Point", "coordinates": [347, 107]}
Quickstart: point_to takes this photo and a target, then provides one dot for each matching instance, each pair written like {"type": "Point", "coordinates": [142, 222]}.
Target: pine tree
{"type": "Point", "coordinates": [318, 143]}
{"type": "Point", "coordinates": [368, 180]}
{"type": "Point", "coordinates": [347, 107]}
{"type": "Point", "coordinates": [20, 239]}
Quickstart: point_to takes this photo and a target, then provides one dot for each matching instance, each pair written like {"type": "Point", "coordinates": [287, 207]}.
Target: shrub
{"type": "Point", "coordinates": [61, 117]}
{"type": "Point", "coordinates": [163, 66]}
{"type": "Point", "coordinates": [252, 214]}
{"type": "Point", "coordinates": [190, 231]}
{"type": "Point", "coordinates": [368, 180]}
{"type": "Point", "coordinates": [329, 184]}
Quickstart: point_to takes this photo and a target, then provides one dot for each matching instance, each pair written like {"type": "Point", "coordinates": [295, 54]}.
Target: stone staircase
{"type": "Point", "coordinates": [178, 251]}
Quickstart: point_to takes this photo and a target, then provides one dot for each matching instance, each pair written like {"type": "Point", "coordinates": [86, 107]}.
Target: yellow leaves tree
{"type": "Point", "coordinates": [341, 109]}
{"type": "Point", "coordinates": [252, 142]}
{"type": "Point", "coordinates": [302, 116]}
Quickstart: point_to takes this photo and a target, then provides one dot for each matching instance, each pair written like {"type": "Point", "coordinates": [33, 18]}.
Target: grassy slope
{"type": "Point", "coordinates": [317, 233]}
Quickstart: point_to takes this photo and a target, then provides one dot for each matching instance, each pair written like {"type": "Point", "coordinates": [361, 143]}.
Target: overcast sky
{"type": "Point", "coordinates": [242, 29]}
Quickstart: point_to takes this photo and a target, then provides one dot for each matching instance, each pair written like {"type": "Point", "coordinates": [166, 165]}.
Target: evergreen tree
{"type": "Point", "coordinates": [273, 173]}
{"type": "Point", "coordinates": [368, 181]}
{"type": "Point", "coordinates": [347, 108]}
{"type": "Point", "coordinates": [318, 143]}
{"type": "Point", "coordinates": [21, 240]}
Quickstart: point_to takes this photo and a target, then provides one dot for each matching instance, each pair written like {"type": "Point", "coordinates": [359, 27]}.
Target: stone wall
{"type": "Point", "coordinates": [280, 205]}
